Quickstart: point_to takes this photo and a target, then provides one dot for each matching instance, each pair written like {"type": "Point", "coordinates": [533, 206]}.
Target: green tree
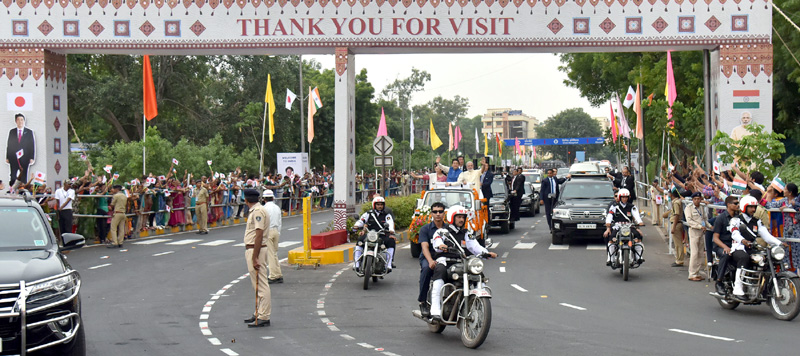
{"type": "Point", "coordinates": [786, 74]}
{"type": "Point", "coordinates": [758, 150]}
{"type": "Point", "coordinates": [402, 90]}
{"type": "Point", "coordinates": [568, 123]}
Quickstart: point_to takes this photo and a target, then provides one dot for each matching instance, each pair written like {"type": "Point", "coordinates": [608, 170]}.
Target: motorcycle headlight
{"type": "Point", "coordinates": [372, 236]}
{"type": "Point", "coordinates": [475, 266]}
{"type": "Point", "coordinates": [757, 258]}
{"type": "Point", "coordinates": [56, 285]}
{"type": "Point", "coordinates": [561, 213]}
{"type": "Point", "coordinates": [625, 231]}
{"type": "Point", "coordinates": [778, 253]}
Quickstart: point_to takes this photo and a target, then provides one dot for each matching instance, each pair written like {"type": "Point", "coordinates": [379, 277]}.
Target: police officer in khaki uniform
{"type": "Point", "coordinates": [255, 256]}
{"type": "Point", "coordinates": [119, 203]}
{"type": "Point", "coordinates": [202, 208]}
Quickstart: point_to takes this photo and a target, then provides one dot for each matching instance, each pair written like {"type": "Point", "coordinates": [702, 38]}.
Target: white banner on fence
{"type": "Point", "coordinates": [292, 163]}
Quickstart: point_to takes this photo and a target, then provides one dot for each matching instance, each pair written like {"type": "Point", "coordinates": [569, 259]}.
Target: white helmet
{"type": "Point", "coordinates": [745, 202]}
{"type": "Point", "coordinates": [441, 233]}
{"type": "Point", "coordinates": [378, 199]}
{"type": "Point", "coordinates": [455, 210]}
{"type": "Point", "coordinates": [268, 194]}
{"type": "Point", "coordinates": [624, 193]}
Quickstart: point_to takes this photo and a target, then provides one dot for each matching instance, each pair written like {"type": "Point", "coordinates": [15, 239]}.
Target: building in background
{"type": "Point", "coordinates": [605, 124]}
{"type": "Point", "coordinates": [508, 123]}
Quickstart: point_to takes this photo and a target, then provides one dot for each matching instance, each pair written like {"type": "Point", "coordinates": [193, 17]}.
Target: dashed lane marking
{"type": "Point", "coordinates": [288, 243]}
{"type": "Point", "coordinates": [150, 242]}
{"type": "Point", "coordinates": [100, 266]}
{"type": "Point", "coordinates": [701, 335]}
{"type": "Point", "coordinates": [572, 306]}
{"type": "Point", "coordinates": [163, 253]}
{"type": "Point", "coordinates": [494, 245]}
{"type": "Point", "coordinates": [366, 345]}
{"type": "Point", "coordinates": [347, 337]}
{"type": "Point", "coordinates": [184, 242]}
{"type": "Point", "coordinates": [217, 242]}
{"type": "Point", "coordinates": [596, 247]}
{"type": "Point", "coordinates": [214, 341]}
{"type": "Point", "coordinates": [519, 288]}
{"type": "Point", "coordinates": [558, 247]}
{"type": "Point", "coordinates": [505, 254]}
{"type": "Point", "coordinates": [239, 245]}
{"type": "Point", "coordinates": [502, 270]}
{"type": "Point", "coordinates": [229, 352]}
{"type": "Point", "coordinates": [292, 228]}
{"type": "Point", "coordinates": [524, 245]}
{"type": "Point", "coordinates": [408, 246]}
{"type": "Point", "coordinates": [321, 223]}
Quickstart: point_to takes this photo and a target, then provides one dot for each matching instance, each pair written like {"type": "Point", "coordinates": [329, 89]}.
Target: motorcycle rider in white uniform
{"type": "Point", "coordinates": [443, 247]}
{"type": "Point", "coordinates": [374, 220]}
{"type": "Point", "coordinates": [624, 211]}
{"type": "Point", "coordinates": [744, 230]}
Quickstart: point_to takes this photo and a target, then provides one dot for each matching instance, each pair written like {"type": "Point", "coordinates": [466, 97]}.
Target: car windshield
{"type": "Point", "coordinates": [587, 189]}
{"type": "Point", "coordinates": [528, 189]}
{"type": "Point", "coordinates": [449, 198]}
{"type": "Point", "coordinates": [499, 187]}
{"type": "Point", "coordinates": [22, 228]}
{"type": "Point", "coordinates": [562, 171]}
{"type": "Point", "coordinates": [533, 178]}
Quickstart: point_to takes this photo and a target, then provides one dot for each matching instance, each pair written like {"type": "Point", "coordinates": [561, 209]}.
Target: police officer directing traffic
{"type": "Point", "coordinates": [255, 256]}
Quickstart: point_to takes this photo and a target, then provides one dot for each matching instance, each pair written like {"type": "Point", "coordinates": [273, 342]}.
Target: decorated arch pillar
{"type": "Point", "coordinates": [344, 157]}
{"type": "Point", "coordinates": [33, 83]}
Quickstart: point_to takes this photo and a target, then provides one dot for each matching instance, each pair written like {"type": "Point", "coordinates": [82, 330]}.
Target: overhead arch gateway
{"type": "Point", "coordinates": [36, 35]}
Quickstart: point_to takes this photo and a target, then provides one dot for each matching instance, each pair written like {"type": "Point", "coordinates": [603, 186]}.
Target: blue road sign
{"type": "Point", "coordinates": [557, 141]}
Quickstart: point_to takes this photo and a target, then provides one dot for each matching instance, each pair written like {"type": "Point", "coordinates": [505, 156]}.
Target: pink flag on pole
{"type": "Point", "coordinates": [670, 91]}
{"type": "Point", "coordinates": [613, 123]}
{"type": "Point", "coordinates": [382, 125]}
{"type": "Point", "coordinates": [457, 138]}
{"type": "Point", "coordinates": [516, 145]}
{"type": "Point", "coordinates": [534, 151]}
{"type": "Point", "coordinates": [624, 128]}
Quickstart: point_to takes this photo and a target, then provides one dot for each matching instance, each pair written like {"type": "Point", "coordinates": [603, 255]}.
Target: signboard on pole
{"type": "Point", "coordinates": [557, 141]}
{"type": "Point", "coordinates": [383, 145]}
{"type": "Point", "coordinates": [383, 161]}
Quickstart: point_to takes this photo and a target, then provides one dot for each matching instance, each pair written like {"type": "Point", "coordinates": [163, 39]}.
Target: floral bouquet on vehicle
{"type": "Point", "coordinates": [421, 217]}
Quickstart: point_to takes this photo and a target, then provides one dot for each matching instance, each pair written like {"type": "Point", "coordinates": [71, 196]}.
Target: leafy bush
{"type": "Point", "coordinates": [759, 149]}
{"type": "Point", "coordinates": [790, 171]}
{"type": "Point", "coordinates": [402, 209]}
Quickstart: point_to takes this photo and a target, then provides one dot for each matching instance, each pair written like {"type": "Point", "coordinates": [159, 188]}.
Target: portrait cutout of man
{"type": "Point", "coordinates": [20, 150]}
{"type": "Point", "coordinates": [741, 131]}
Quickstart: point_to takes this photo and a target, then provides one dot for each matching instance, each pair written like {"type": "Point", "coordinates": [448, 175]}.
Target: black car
{"type": "Point", "coordinates": [499, 210]}
{"type": "Point", "coordinates": [530, 201]}
{"type": "Point", "coordinates": [582, 207]}
{"type": "Point", "coordinates": [40, 307]}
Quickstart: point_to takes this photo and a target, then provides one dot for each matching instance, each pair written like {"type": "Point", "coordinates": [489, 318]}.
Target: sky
{"type": "Point", "coordinates": [528, 82]}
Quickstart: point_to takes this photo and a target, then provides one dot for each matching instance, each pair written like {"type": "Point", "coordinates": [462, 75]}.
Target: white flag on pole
{"type": "Point", "coordinates": [412, 131]}
{"type": "Point", "coordinates": [629, 98]}
{"type": "Point", "coordinates": [290, 97]}
{"type": "Point", "coordinates": [476, 141]}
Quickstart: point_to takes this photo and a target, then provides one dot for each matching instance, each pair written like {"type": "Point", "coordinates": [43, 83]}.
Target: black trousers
{"type": "Point", "coordinates": [102, 226]}
{"type": "Point", "coordinates": [65, 221]}
{"type": "Point", "coordinates": [515, 203]}
{"type": "Point", "coordinates": [548, 211]}
{"type": "Point", "coordinates": [23, 172]}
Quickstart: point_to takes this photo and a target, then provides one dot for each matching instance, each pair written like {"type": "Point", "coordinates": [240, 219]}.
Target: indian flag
{"type": "Point", "coordinates": [315, 98]}
{"type": "Point", "coordinates": [746, 99]}
{"type": "Point", "coordinates": [739, 183]}
{"type": "Point", "coordinates": [778, 184]}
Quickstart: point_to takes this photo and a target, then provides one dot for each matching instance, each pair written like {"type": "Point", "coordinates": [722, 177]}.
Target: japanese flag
{"type": "Point", "coordinates": [162, 178]}
{"type": "Point", "coordinates": [209, 162]}
{"type": "Point", "coordinates": [39, 178]}
{"type": "Point", "coordinates": [116, 175]}
{"type": "Point", "coordinates": [175, 162]}
{"type": "Point", "coordinates": [107, 168]}
{"type": "Point", "coordinates": [629, 98]}
{"type": "Point", "coordinates": [20, 153]}
{"type": "Point", "coordinates": [290, 97]}
{"type": "Point", "coordinates": [20, 101]}
{"type": "Point", "coordinates": [716, 167]}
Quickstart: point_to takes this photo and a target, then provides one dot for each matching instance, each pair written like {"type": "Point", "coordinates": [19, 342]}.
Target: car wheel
{"type": "Point", "coordinates": [504, 227]}
{"type": "Point", "coordinates": [557, 238]}
{"type": "Point", "coordinates": [512, 226]}
{"type": "Point", "coordinates": [76, 347]}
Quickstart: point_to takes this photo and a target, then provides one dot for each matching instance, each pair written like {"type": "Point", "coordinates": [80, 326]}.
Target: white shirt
{"type": "Point", "coordinates": [737, 237]}
{"type": "Point", "coordinates": [634, 213]}
{"type": "Point", "coordinates": [62, 196]}
{"type": "Point", "coordinates": [274, 213]}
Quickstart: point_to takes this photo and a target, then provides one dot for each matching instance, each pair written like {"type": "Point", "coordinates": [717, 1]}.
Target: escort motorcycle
{"type": "Point", "coordinates": [622, 258]}
{"type": "Point", "coordinates": [466, 300]}
{"type": "Point", "coordinates": [375, 257]}
{"type": "Point", "coordinates": [770, 281]}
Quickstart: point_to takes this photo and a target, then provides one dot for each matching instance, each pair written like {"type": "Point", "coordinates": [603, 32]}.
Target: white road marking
{"type": "Point", "coordinates": [387, 353]}
{"type": "Point", "coordinates": [288, 243]}
{"type": "Point", "coordinates": [239, 245]}
{"type": "Point", "coordinates": [206, 309]}
{"type": "Point", "coordinates": [267, 337]}
{"type": "Point", "coordinates": [150, 242]}
{"type": "Point", "coordinates": [519, 288]}
{"type": "Point", "coordinates": [100, 266]}
{"type": "Point", "coordinates": [596, 247]}
{"type": "Point", "coordinates": [184, 242]}
{"type": "Point", "coordinates": [203, 316]}
{"type": "Point", "coordinates": [701, 335]}
{"type": "Point", "coordinates": [526, 233]}
{"type": "Point", "coordinates": [163, 253]}
{"type": "Point", "coordinates": [283, 260]}
{"type": "Point", "coordinates": [494, 245]}
{"type": "Point", "coordinates": [571, 306]}
{"type": "Point", "coordinates": [347, 337]}
{"type": "Point", "coordinates": [103, 257]}
{"type": "Point", "coordinates": [321, 223]}
{"type": "Point", "coordinates": [333, 328]}
{"type": "Point", "coordinates": [214, 341]}
{"type": "Point", "coordinates": [502, 270]}
{"type": "Point", "coordinates": [558, 247]}
{"type": "Point", "coordinates": [217, 242]}
{"type": "Point", "coordinates": [321, 312]}
{"type": "Point", "coordinates": [366, 345]}
{"type": "Point", "coordinates": [505, 254]}
{"type": "Point", "coordinates": [406, 247]}
{"type": "Point", "coordinates": [229, 352]}
{"type": "Point", "coordinates": [292, 228]}
{"type": "Point", "coordinates": [524, 245]}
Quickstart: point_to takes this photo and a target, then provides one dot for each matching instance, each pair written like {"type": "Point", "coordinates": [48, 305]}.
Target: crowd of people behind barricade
{"type": "Point", "coordinates": [674, 209]}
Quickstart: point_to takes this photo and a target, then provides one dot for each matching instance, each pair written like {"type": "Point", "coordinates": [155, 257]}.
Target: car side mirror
{"type": "Point", "coordinates": [72, 241]}
{"type": "Point", "coordinates": [419, 203]}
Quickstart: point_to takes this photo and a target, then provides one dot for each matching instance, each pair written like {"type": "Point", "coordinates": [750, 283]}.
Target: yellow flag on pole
{"type": "Point", "coordinates": [486, 144]}
{"type": "Point", "coordinates": [435, 141]}
{"type": "Point", "coordinates": [269, 99]}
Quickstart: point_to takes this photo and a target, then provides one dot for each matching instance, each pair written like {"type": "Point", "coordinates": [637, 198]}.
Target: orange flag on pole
{"type": "Point", "coordinates": [499, 144]}
{"type": "Point", "coordinates": [149, 91]}
{"type": "Point", "coordinates": [613, 123]}
{"type": "Point", "coordinates": [637, 106]}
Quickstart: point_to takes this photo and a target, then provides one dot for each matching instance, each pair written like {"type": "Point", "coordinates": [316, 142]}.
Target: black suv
{"type": "Point", "coordinates": [582, 207]}
{"type": "Point", "coordinates": [40, 307]}
{"type": "Point", "coordinates": [499, 210]}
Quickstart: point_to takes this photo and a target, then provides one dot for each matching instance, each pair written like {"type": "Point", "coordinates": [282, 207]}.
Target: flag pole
{"type": "Point", "coordinates": [261, 155]}
{"type": "Point", "coordinates": [144, 146]}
